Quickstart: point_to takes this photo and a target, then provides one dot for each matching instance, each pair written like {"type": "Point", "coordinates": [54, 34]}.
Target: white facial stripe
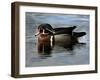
{"type": "Point", "coordinates": [50, 30]}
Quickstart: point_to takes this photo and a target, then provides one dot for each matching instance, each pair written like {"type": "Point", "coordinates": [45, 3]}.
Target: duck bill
{"type": "Point", "coordinates": [36, 34]}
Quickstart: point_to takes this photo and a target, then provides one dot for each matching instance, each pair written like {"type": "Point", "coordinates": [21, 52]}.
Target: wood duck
{"type": "Point", "coordinates": [48, 37]}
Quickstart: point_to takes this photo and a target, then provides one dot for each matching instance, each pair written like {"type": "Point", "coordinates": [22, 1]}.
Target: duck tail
{"type": "Point", "coordinates": [79, 34]}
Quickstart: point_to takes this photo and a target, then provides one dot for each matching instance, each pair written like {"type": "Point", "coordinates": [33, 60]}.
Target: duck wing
{"type": "Point", "coordinates": [64, 30]}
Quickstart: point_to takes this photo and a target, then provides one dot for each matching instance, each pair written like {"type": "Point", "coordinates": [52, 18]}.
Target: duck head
{"type": "Point", "coordinates": [45, 28]}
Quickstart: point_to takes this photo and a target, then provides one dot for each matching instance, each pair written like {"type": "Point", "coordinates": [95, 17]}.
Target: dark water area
{"type": "Point", "coordinates": [59, 56]}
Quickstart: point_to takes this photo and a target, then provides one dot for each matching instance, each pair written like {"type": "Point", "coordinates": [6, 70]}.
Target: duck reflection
{"type": "Point", "coordinates": [48, 37]}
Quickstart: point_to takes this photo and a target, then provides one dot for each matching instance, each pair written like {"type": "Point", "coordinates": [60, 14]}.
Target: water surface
{"type": "Point", "coordinates": [59, 55]}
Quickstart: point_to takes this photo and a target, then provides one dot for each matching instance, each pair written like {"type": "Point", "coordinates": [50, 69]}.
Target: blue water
{"type": "Point", "coordinates": [59, 55]}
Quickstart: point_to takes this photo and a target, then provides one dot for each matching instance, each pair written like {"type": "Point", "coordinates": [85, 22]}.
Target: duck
{"type": "Point", "coordinates": [48, 37]}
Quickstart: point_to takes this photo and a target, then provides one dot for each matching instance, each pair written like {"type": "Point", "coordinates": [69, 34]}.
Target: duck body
{"type": "Point", "coordinates": [48, 37]}
{"type": "Point", "coordinates": [63, 39]}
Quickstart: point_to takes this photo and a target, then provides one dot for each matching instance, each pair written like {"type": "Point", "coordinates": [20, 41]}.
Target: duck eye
{"type": "Point", "coordinates": [41, 30]}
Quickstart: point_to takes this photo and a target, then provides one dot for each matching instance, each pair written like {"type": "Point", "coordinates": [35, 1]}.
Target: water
{"type": "Point", "coordinates": [59, 56]}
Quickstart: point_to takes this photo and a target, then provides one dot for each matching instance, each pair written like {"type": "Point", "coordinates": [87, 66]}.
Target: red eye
{"type": "Point", "coordinates": [41, 30]}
